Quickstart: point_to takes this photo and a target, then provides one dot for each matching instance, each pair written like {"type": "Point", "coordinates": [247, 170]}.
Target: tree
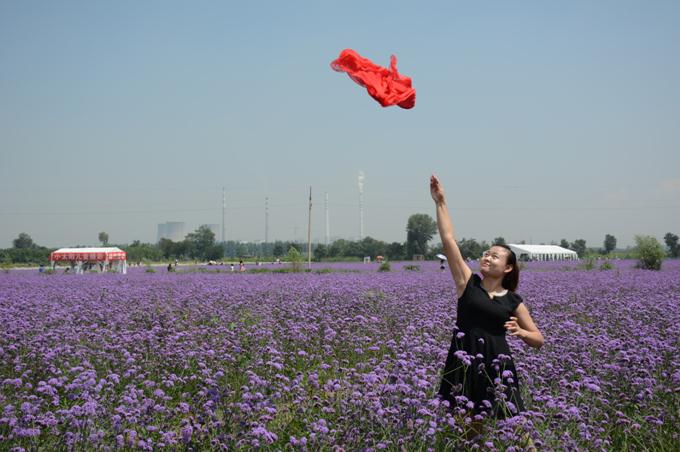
{"type": "Point", "coordinates": [104, 238]}
{"type": "Point", "coordinates": [24, 241]}
{"type": "Point", "coordinates": [137, 251]}
{"type": "Point", "coordinates": [200, 242]}
{"type": "Point", "coordinates": [338, 248]}
{"type": "Point", "coordinates": [609, 243]}
{"type": "Point", "coordinates": [419, 230]}
{"type": "Point", "coordinates": [499, 241]}
{"type": "Point", "coordinates": [672, 244]}
{"type": "Point", "coordinates": [564, 244]}
{"type": "Point", "coordinates": [295, 259]}
{"type": "Point", "coordinates": [372, 247]}
{"type": "Point", "coordinates": [650, 252]}
{"type": "Point", "coordinates": [278, 249]}
{"type": "Point", "coordinates": [470, 248]}
{"type": "Point", "coordinates": [395, 251]}
{"type": "Point", "coordinates": [579, 246]}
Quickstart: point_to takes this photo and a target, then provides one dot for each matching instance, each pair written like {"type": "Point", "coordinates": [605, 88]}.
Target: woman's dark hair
{"type": "Point", "coordinates": [510, 280]}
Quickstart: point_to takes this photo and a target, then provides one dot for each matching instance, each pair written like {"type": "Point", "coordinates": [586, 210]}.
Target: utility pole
{"type": "Point", "coordinates": [266, 226]}
{"type": "Point", "coordinates": [309, 231]}
{"type": "Point", "coordinates": [224, 208]}
{"type": "Point", "coordinates": [266, 220]}
{"type": "Point", "coordinates": [328, 228]}
{"type": "Point", "coordinates": [361, 205]}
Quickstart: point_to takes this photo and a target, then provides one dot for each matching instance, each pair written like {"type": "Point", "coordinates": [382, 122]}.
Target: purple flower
{"type": "Point", "coordinates": [187, 433]}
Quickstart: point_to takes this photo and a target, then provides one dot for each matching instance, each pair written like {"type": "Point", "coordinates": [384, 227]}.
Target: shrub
{"type": "Point", "coordinates": [259, 270]}
{"type": "Point", "coordinates": [384, 267]}
{"type": "Point", "coordinates": [150, 269]}
{"type": "Point", "coordinates": [322, 270]}
{"type": "Point", "coordinates": [650, 252]}
{"type": "Point", "coordinates": [588, 264]}
{"type": "Point", "coordinates": [295, 259]}
{"type": "Point", "coordinates": [412, 268]}
{"type": "Point", "coordinates": [606, 265]}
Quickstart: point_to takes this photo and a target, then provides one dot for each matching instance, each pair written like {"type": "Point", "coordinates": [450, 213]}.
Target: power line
{"type": "Point", "coordinates": [376, 206]}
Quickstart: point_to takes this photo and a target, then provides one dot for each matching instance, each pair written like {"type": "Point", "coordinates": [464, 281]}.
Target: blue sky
{"type": "Point", "coordinates": [544, 120]}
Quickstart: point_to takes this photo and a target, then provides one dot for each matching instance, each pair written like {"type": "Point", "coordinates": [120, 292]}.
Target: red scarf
{"type": "Point", "coordinates": [386, 86]}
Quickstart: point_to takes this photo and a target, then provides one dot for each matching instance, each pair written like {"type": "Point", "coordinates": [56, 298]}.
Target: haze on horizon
{"type": "Point", "coordinates": [543, 121]}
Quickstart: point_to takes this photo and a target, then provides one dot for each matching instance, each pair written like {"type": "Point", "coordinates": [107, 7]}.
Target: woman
{"type": "Point", "coordinates": [479, 373]}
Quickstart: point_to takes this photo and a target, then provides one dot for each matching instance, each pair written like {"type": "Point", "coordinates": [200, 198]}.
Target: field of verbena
{"type": "Point", "coordinates": [312, 361]}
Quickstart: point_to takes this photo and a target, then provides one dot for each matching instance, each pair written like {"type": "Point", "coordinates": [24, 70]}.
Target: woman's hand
{"type": "Point", "coordinates": [513, 328]}
{"type": "Point", "coordinates": [436, 190]}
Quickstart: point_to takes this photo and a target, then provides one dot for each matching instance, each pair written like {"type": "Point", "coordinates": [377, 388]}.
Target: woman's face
{"type": "Point", "coordinates": [494, 262]}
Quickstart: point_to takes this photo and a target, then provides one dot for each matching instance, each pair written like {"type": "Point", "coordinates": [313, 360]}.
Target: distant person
{"type": "Point", "coordinates": [441, 265]}
{"type": "Point", "coordinates": [241, 266]}
{"type": "Point", "coordinates": [170, 266]}
{"type": "Point", "coordinates": [487, 309]}
{"type": "Point", "coordinates": [41, 269]}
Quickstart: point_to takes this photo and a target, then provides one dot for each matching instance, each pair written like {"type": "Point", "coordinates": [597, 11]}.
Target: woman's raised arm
{"type": "Point", "coordinates": [459, 268]}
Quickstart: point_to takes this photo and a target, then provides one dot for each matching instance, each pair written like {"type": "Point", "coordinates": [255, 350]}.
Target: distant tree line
{"type": "Point", "coordinates": [201, 245]}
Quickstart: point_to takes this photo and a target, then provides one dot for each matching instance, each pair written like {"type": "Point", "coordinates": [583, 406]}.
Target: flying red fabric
{"type": "Point", "coordinates": [386, 86]}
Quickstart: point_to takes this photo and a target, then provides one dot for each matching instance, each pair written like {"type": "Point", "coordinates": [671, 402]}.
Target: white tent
{"type": "Point", "coordinates": [542, 252]}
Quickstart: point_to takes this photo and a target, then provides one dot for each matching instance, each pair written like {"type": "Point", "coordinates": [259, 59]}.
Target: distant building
{"type": "Point", "coordinates": [173, 230]}
{"type": "Point", "coordinates": [215, 228]}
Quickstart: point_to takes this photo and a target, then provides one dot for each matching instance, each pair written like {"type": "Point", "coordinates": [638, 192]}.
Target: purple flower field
{"type": "Point", "coordinates": [306, 361]}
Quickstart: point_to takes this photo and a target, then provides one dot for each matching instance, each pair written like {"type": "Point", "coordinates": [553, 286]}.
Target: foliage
{"type": "Point", "coordinates": [384, 267]}
{"type": "Point", "coordinates": [320, 252]}
{"type": "Point", "coordinates": [650, 251]}
{"type": "Point", "coordinates": [278, 249]}
{"type": "Point", "coordinates": [588, 264]}
{"type": "Point", "coordinates": [672, 244]}
{"type": "Point", "coordinates": [34, 255]}
{"type": "Point", "coordinates": [412, 268]}
{"type": "Point", "coordinates": [579, 246]}
{"type": "Point", "coordinates": [471, 249]}
{"type": "Point", "coordinates": [564, 244]}
{"type": "Point", "coordinates": [5, 267]}
{"type": "Point", "coordinates": [295, 259]}
{"type": "Point", "coordinates": [104, 238]}
{"type": "Point", "coordinates": [609, 243]}
{"type": "Point", "coordinates": [419, 230]}
{"type": "Point", "coordinates": [137, 251]}
{"type": "Point", "coordinates": [25, 251]}
{"type": "Point", "coordinates": [201, 244]}
{"type": "Point", "coordinates": [607, 265]}
{"type": "Point", "coordinates": [24, 241]}
{"type": "Point", "coordinates": [323, 271]}
{"type": "Point", "coordinates": [499, 241]}
{"type": "Point", "coordinates": [395, 251]}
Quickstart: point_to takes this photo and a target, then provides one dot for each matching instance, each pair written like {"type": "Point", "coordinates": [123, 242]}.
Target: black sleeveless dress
{"type": "Point", "coordinates": [479, 373]}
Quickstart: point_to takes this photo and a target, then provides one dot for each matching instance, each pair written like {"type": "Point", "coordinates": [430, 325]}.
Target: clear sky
{"type": "Point", "coordinates": [544, 120]}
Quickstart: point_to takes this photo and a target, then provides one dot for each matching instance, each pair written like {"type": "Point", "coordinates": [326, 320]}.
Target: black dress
{"type": "Point", "coordinates": [479, 374]}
